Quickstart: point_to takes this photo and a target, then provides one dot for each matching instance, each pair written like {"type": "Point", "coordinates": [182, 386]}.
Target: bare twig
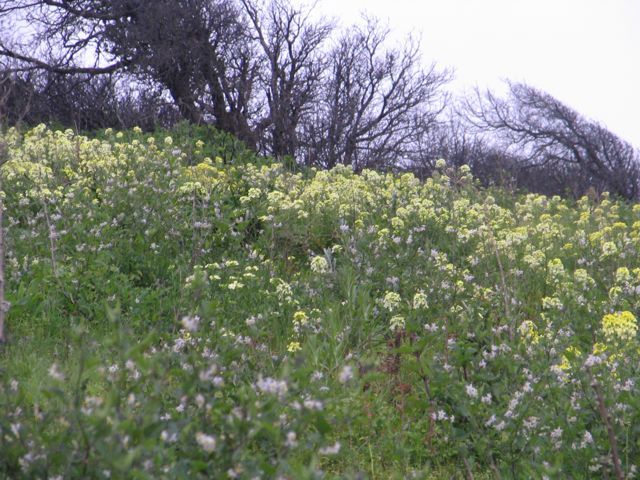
{"type": "Point", "coordinates": [503, 279]}
{"type": "Point", "coordinates": [52, 238]}
{"type": "Point", "coordinates": [468, 471]}
{"type": "Point", "coordinates": [606, 418]}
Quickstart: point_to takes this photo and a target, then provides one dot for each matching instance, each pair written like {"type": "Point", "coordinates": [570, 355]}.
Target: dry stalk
{"type": "Point", "coordinates": [4, 305]}
{"type": "Point", "coordinates": [606, 418]}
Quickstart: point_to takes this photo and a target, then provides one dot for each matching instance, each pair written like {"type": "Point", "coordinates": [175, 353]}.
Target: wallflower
{"type": "Point", "coordinates": [319, 264]}
{"type": "Point", "coordinates": [619, 327]}
{"type": "Point", "coordinates": [529, 332]}
{"type": "Point", "coordinates": [552, 303]}
{"type": "Point", "coordinates": [396, 323]}
{"type": "Point", "coordinates": [609, 249]}
{"type": "Point", "coordinates": [420, 300]}
{"type": "Point", "coordinates": [555, 269]}
{"type": "Point", "coordinates": [570, 354]}
{"type": "Point", "coordinates": [623, 275]}
{"type": "Point", "coordinates": [391, 301]}
{"type": "Point", "coordinates": [300, 318]}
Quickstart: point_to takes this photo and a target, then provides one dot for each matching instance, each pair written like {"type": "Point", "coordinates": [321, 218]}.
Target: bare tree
{"type": "Point", "coordinates": [549, 136]}
{"type": "Point", "coordinates": [292, 45]}
{"type": "Point", "coordinates": [262, 70]}
{"type": "Point", "coordinates": [375, 101]}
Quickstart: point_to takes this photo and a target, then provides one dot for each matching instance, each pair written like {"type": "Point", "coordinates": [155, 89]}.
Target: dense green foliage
{"type": "Point", "coordinates": [180, 311]}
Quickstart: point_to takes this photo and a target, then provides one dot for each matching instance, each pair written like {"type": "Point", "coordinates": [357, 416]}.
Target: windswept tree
{"type": "Point", "coordinates": [548, 136]}
{"type": "Point", "coordinates": [196, 49]}
{"type": "Point", "coordinates": [375, 101]}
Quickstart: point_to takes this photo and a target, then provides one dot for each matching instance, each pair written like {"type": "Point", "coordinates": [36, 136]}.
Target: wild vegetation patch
{"type": "Point", "coordinates": [176, 314]}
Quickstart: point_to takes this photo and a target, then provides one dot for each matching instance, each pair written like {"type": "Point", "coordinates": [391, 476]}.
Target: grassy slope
{"type": "Point", "coordinates": [424, 294]}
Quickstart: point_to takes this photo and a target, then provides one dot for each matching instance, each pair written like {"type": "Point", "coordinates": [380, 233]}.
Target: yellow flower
{"type": "Point", "coordinates": [623, 275]}
{"type": "Point", "coordinates": [599, 348]}
{"type": "Point", "coordinates": [294, 347]}
{"type": "Point", "coordinates": [235, 285]}
{"type": "Point", "coordinates": [319, 264]}
{"type": "Point", "coordinates": [619, 326]}
{"type": "Point", "coordinates": [555, 269]}
{"type": "Point", "coordinates": [396, 323]}
{"type": "Point", "coordinates": [420, 300]}
{"type": "Point", "coordinates": [300, 318]}
{"type": "Point", "coordinates": [391, 300]}
{"type": "Point", "coordinates": [570, 354]}
{"type": "Point", "coordinates": [609, 249]}
{"type": "Point", "coordinates": [529, 331]}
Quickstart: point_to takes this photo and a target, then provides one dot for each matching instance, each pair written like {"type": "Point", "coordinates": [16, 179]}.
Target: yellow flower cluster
{"type": "Point", "coordinates": [619, 327]}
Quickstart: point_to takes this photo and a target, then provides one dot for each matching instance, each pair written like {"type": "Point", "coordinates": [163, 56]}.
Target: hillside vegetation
{"type": "Point", "coordinates": [183, 309]}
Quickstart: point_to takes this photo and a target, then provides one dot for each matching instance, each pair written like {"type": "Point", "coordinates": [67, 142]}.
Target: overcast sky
{"type": "Point", "coordinates": [586, 53]}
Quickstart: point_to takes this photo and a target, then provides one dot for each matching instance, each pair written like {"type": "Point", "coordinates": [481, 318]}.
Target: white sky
{"type": "Point", "coordinates": [586, 53]}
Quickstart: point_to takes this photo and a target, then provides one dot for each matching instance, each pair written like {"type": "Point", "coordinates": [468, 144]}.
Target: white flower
{"type": "Point", "coordinates": [346, 374]}
{"type": "Point", "coordinates": [330, 450]}
{"type": "Point", "coordinates": [587, 439]}
{"type": "Point", "coordinates": [530, 422]}
{"type": "Point", "coordinates": [55, 373]}
{"type": "Point", "coordinates": [311, 404]}
{"type": "Point", "coordinates": [272, 386]}
{"type": "Point", "coordinates": [491, 421]}
{"type": "Point", "coordinates": [190, 324]}
{"type": "Point", "coordinates": [592, 360]}
{"type": "Point", "coordinates": [431, 327]}
{"type": "Point", "coordinates": [206, 442]}
{"type": "Point", "coordinates": [556, 438]}
{"type": "Point", "coordinates": [291, 441]}
{"type": "Point", "coordinates": [471, 391]}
